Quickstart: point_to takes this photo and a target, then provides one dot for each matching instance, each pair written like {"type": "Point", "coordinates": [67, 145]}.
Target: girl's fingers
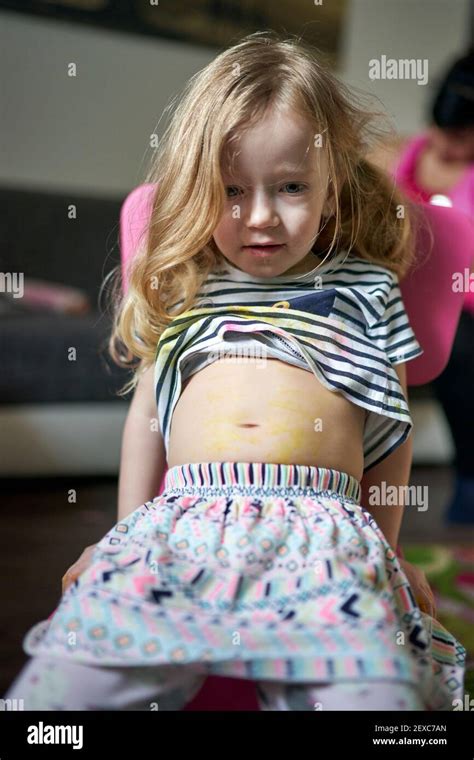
{"type": "Point", "coordinates": [66, 581]}
{"type": "Point", "coordinates": [74, 572]}
{"type": "Point", "coordinates": [69, 577]}
{"type": "Point", "coordinates": [78, 567]}
{"type": "Point", "coordinates": [426, 603]}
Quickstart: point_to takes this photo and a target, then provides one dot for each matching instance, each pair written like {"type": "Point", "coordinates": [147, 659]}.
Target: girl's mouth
{"type": "Point", "coordinates": [262, 250]}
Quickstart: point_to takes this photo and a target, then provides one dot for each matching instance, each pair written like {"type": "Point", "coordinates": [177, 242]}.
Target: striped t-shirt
{"type": "Point", "coordinates": [345, 321]}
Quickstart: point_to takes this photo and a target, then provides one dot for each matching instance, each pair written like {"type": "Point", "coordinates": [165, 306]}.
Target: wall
{"type": "Point", "coordinates": [436, 30]}
{"type": "Point", "coordinates": [91, 132]}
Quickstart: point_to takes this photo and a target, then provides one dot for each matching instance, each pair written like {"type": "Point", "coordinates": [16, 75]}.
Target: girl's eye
{"type": "Point", "coordinates": [294, 184]}
{"type": "Point", "coordinates": [298, 185]}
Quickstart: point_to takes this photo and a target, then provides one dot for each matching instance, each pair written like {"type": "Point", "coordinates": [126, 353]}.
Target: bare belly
{"type": "Point", "coordinates": [265, 411]}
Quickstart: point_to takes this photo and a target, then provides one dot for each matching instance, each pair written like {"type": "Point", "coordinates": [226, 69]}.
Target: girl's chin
{"type": "Point", "coordinates": [272, 263]}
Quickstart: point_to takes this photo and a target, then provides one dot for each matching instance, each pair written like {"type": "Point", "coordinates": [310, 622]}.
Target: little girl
{"type": "Point", "coordinates": [266, 314]}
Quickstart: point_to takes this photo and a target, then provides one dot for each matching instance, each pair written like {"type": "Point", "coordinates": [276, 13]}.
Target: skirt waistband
{"type": "Point", "coordinates": [246, 477]}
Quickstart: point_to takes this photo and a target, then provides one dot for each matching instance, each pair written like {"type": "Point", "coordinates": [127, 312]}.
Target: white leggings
{"type": "Point", "coordinates": [52, 684]}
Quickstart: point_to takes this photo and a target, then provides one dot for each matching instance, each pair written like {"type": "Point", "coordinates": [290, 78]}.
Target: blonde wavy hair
{"type": "Point", "coordinates": [231, 93]}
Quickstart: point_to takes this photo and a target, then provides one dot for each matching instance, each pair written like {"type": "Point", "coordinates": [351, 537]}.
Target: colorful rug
{"type": "Point", "coordinates": [450, 572]}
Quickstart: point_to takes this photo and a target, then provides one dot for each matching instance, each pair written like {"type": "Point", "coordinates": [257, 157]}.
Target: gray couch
{"type": "Point", "coordinates": [58, 416]}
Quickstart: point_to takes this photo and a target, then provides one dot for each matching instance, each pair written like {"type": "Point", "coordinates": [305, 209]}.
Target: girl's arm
{"type": "Point", "coordinates": [143, 456]}
{"type": "Point", "coordinates": [395, 471]}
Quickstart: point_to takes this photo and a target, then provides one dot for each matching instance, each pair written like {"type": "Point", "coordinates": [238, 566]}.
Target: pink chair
{"type": "Point", "coordinates": [433, 309]}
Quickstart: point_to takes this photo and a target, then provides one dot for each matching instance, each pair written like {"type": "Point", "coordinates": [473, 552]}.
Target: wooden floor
{"type": "Point", "coordinates": [43, 534]}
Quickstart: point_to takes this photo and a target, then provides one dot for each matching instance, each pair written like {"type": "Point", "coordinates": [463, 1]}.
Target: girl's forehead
{"type": "Point", "coordinates": [306, 159]}
{"type": "Point", "coordinates": [291, 150]}
{"type": "Point", "coordinates": [275, 126]}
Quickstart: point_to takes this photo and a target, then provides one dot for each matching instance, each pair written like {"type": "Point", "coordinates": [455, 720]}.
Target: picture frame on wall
{"type": "Point", "coordinates": [210, 23]}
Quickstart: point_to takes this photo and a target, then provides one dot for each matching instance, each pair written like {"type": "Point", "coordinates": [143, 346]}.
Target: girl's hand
{"type": "Point", "coordinates": [421, 588]}
{"type": "Point", "coordinates": [78, 567]}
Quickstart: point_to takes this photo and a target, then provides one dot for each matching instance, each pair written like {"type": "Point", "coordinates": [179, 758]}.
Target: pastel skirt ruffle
{"type": "Point", "coordinates": [260, 571]}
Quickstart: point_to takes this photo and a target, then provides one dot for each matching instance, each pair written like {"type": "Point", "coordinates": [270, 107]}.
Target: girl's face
{"type": "Point", "coordinates": [276, 195]}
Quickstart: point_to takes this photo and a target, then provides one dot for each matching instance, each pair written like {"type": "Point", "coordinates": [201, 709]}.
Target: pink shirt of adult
{"type": "Point", "coordinates": [461, 195]}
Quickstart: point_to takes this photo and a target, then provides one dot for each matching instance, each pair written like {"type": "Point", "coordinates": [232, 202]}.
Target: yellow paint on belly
{"type": "Point", "coordinates": [285, 411]}
{"type": "Point", "coordinates": [280, 435]}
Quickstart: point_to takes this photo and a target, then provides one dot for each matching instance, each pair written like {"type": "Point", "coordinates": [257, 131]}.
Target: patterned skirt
{"type": "Point", "coordinates": [254, 570]}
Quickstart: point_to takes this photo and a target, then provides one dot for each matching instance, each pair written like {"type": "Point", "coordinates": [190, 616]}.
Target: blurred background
{"type": "Point", "coordinates": [85, 83]}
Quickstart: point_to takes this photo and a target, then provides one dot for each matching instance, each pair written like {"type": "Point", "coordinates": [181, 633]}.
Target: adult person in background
{"type": "Point", "coordinates": [440, 162]}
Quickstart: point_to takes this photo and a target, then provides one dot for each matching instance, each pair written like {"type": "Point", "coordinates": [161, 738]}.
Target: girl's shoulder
{"type": "Point", "coordinates": [359, 270]}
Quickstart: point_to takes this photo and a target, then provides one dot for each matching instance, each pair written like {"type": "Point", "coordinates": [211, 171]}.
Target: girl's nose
{"type": "Point", "coordinates": [261, 211]}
